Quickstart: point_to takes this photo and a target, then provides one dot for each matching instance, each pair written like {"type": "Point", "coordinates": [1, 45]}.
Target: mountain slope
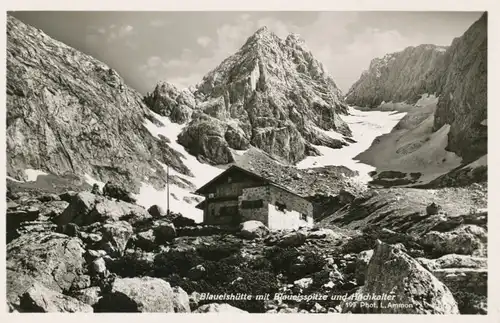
{"type": "Point", "coordinates": [398, 77]}
{"type": "Point", "coordinates": [68, 113]}
{"type": "Point", "coordinates": [436, 142]}
{"type": "Point", "coordinates": [271, 94]}
{"type": "Point", "coordinates": [463, 100]}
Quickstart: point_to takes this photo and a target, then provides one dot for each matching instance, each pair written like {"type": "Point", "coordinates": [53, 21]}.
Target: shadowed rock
{"type": "Point", "coordinates": [52, 259]}
{"type": "Point", "coordinates": [144, 294]}
{"type": "Point", "coordinates": [408, 286]}
{"type": "Point", "coordinates": [39, 298]}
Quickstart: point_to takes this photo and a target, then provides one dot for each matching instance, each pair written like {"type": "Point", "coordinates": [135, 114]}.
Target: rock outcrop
{"type": "Point", "coordinates": [55, 260]}
{"type": "Point", "coordinates": [69, 113]}
{"type": "Point", "coordinates": [271, 94]}
{"type": "Point", "coordinates": [144, 294]}
{"type": "Point", "coordinates": [253, 229]}
{"type": "Point", "coordinates": [398, 77]}
{"type": "Point", "coordinates": [409, 288]}
{"type": "Point", "coordinates": [463, 100]}
{"type": "Point", "coordinates": [39, 298]}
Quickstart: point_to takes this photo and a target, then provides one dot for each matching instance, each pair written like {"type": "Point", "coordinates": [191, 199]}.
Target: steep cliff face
{"type": "Point", "coordinates": [442, 143]}
{"type": "Point", "coordinates": [271, 94]}
{"type": "Point", "coordinates": [463, 100]}
{"type": "Point", "coordinates": [69, 113]}
{"type": "Point", "coordinates": [399, 77]}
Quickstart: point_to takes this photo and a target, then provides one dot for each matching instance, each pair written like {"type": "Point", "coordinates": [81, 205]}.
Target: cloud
{"type": "Point", "coordinates": [204, 41]}
{"type": "Point", "coordinates": [157, 23]}
{"type": "Point", "coordinates": [154, 61]}
{"type": "Point", "coordinates": [125, 31]}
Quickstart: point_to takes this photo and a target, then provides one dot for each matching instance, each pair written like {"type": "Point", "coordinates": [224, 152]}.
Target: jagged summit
{"type": "Point", "coordinates": [294, 39]}
{"type": "Point", "coordinates": [263, 30]}
{"type": "Point", "coordinates": [272, 94]}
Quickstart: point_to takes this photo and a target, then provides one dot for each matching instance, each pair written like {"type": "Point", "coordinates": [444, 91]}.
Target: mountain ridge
{"type": "Point", "coordinates": [70, 113]}
{"type": "Point", "coordinates": [271, 94]}
{"type": "Point", "coordinates": [393, 78]}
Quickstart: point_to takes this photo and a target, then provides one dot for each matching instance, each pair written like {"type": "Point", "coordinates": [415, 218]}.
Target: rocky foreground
{"type": "Point", "coordinates": [88, 252]}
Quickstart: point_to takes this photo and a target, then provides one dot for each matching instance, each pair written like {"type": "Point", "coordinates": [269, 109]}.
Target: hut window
{"type": "Point", "coordinates": [280, 207]}
{"type": "Point", "coordinates": [303, 217]}
{"type": "Point", "coordinates": [228, 211]}
{"type": "Point", "coordinates": [255, 204]}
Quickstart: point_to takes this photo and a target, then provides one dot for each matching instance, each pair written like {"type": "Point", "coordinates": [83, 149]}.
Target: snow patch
{"type": "Point", "coordinates": [32, 174]}
{"type": "Point", "coordinates": [365, 126]}
{"type": "Point", "coordinates": [238, 152]}
{"type": "Point", "coordinates": [254, 77]}
{"type": "Point", "coordinates": [482, 161]}
{"type": "Point", "coordinates": [91, 181]}
{"type": "Point", "coordinates": [149, 196]}
{"type": "Point", "coordinates": [202, 173]}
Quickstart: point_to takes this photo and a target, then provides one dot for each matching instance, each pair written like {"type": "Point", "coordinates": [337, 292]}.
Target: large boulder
{"type": "Point", "coordinates": [253, 229]}
{"type": "Point", "coordinates": [52, 209]}
{"type": "Point", "coordinates": [468, 239]}
{"type": "Point", "coordinates": [79, 207]}
{"type": "Point", "coordinates": [218, 308]}
{"type": "Point", "coordinates": [407, 286]}
{"type": "Point", "coordinates": [86, 208]}
{"type": "Point", "coordinates": [115, 191]}
{"type": "Point", "coordinates": [164, 232]}
{"type": "Point", "coordinates": [108, 210]}
{"type": "Point", "coordinates": [454, 261]}
{"type": "Point", "coordinates": [324, 234]}
{"type": "Point", "coordinates": [181, 221]}
{"type": "Point", "coordinates": [52, 259]}
{"type": "Point", "coordinates": [115, 236]}
{"type": "Point", "coordinates": [157, 211]}
{"type": "Point", "coordinates": [145, 240]}
{"type": "Point", "coordinates": [292, 239]}
{"type": "Point", "coordinates": [362, 262]}
{"type": "Point", "coordinates": [181, 300]}
{"type": "Point", "coordinates": [90, 296]}
{"type": "Point", "coordinates": [39, 298]}
{"type": "Point", "coordinates": [16, 215]}
{"type": "Point", "coordinates": [465, 276]}
{"type": "Point", "coordinates": [143, 294]}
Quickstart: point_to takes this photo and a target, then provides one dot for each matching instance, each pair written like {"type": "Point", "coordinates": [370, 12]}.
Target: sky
{"type": "Point", "coordinates": [181, 47]}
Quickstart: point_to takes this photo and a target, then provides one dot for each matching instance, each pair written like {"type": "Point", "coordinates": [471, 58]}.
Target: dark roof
{"type": "Point", "coordinates": [246, 171]}
{"type": "Point", "coordinates": [201, 205]}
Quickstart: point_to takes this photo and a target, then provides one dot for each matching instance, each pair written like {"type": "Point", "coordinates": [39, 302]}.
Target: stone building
{"type": "Point", "coordinates": [238, 195]}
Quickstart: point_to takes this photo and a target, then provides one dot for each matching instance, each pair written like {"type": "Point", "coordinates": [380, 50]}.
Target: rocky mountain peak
{"type": "Point", "coordinates": [272, 94]}
{"type": "Point", "coordinates": [262, 37]}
